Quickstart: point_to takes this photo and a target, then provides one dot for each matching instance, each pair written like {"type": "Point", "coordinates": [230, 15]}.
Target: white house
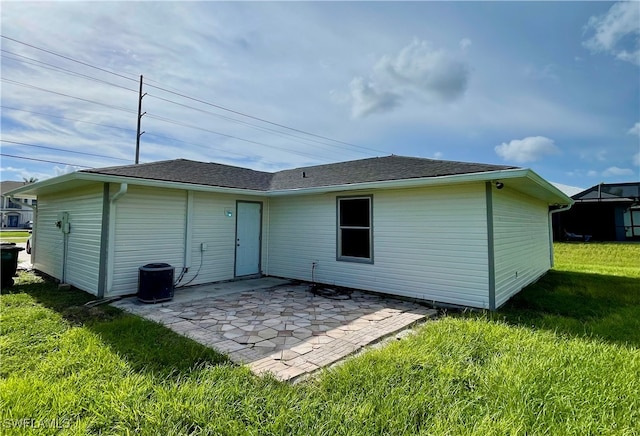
{"type": "Point", "coordinates": [449, 232]}
{"type": "Point", "coordinates": [15, 212]}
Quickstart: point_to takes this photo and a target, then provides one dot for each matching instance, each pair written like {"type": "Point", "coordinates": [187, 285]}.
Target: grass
{"type": "Point", "coordinates": [14, 236]}
{"type": "Point", "coordinates": [593, 291]}
{"type": "Point", "coordinates": [547, 363]}
{"type": "Point", "coordinates": [622, 260]}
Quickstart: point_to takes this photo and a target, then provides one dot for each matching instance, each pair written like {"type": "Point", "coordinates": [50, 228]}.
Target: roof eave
{"type": "Point", "coordinates": [168, 184]}
{"type": "Point", "coordinates": [563, 199]}
{"type": "Point", "coordinates": [35, 188]}
{"type": "Point", "coordinates": [556, 196]}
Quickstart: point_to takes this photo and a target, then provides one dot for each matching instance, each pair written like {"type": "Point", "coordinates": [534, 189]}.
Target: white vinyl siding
{"type": "Point", "coordinates": [84, 206]}
{"type": "Point", "coordinates": [429, 243]}
{"type": "Point", "coordinates": [521, 241]}
{"type": "Point", "coordinates": [212, 226]}
{"type": "Point", "coordinates": [149, 228]}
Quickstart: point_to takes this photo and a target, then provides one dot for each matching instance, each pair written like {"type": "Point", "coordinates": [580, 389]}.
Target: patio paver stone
{"type": "Point", "coordinates": [287, 330]}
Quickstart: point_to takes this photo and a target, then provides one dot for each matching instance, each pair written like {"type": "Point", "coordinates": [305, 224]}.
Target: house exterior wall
{"type": "Point", "coordinates": [212, 226]}
{"type": "Point", "coordinates": [428, 243]}
{"type": "Point", "coordinates": [521, 242]}
{"type": "Point", "coordinates": [82, 258]}
{"type": "Point", "coordinates": [151, 227]}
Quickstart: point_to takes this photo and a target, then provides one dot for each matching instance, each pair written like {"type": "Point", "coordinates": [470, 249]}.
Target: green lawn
{"type": "Point", "coordinates": [563, 357]}
{"type": "Point", "coordinates": [14, 236]}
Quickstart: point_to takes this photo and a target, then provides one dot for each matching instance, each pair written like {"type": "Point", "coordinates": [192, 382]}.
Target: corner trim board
{"type": "Point", "coordinates": [104, 241]}
{"type": "Point", "coordinates": [490, 246]}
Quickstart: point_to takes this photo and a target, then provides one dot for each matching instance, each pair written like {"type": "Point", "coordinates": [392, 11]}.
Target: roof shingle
{"type": "Point", "coordinates": [342, 173]}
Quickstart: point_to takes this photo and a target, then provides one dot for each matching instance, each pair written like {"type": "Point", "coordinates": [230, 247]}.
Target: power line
{"type": "Point", "coordinates": [67, 118]}
{"type": "Point", "coordinates": [167, 120]}
{"type": "Point", "coordinates": [36, 62]}
{"type": "Point", "coordinates": [67, 58]}
{"type": "Point", "coordinates": [26, 85]}
{"type": "Point", "coordinates": [200, 145]}
{"type": "Point", "coordinates": [235, 120]}
{"type": "Point", "coordinates": [196, 99]}
{"type": "Point", "coordinates": [263, 120]}
{"type": "Point", "coordinates": [64, 150]}
{"type": "Point", "coordinates": [43, 160]}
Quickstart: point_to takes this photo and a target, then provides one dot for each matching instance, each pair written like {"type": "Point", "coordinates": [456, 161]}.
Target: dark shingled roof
{"type": "Point", "coordinates": [375, 170]}
{"type": "Point", "coordinates": [189, 171]}
{"type": "Point", "coordinates": [342, 173]}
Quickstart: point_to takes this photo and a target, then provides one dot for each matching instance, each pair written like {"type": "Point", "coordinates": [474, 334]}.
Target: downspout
{"type": "Point", "coordinates": [188, 233]}
{"type": "Point", "coordinates": [265, 239]}
{"type": "Point", "coordinates": [188, 242]}
{"type": "Point", "coordinates": [551, 212]}
{"type": "Point", "coordinates": [34, 235]}
{"type": "Point", "coordinates": [112, 233]}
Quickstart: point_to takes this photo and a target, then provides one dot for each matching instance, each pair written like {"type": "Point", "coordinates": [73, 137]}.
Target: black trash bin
{"type": "Point", "coordinates": [9, 253]}
{"type": "Point", "coordinates": [155, 283]}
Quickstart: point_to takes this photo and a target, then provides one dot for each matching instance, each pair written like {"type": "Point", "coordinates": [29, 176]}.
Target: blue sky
{"type": "Point", "coordinates": [553, 86]}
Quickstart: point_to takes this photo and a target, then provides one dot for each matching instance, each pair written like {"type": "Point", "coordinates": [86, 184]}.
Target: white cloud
{"type": "Point", "coordinates": [59, 171]}
{"type": "Point", "coordinates": [528, 149]}
{"type": "Point", "coordinates": [636, 159]}
{"type": "Point", "coordinates": [429, 71]}
{"type": "Point", "coordinates": [22, 173]}
{"type": "Point", "coordinates": [635, 130]}
{"type": "Point", "coordinates": [11, 170]}
{"type": "Point", "coordinates": [465, 43]}
{"type": "Point", "coordinates": [620, 26]}
{"type": "Point", "coordinates": [593, 173]}
{"type": "Point", "coordinates": [615, 172]}
{"type": "Point", "coordinates": [438, 155]}
{"type": "Point", "coordinates": [418, 70]}
{"type": "Point", "coordinates": [368, 100]}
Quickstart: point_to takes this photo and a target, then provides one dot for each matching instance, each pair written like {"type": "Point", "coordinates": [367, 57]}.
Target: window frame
{"type": "Point", "coordinates": [339, 228]}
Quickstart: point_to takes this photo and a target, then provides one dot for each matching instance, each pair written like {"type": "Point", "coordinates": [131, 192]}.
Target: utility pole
{"type": "Point", "coordinates": [140, 114]}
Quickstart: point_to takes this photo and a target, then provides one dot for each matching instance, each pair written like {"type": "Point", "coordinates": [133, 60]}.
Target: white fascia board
{"type": "Point", "coordinates": [103, 178]}
{"type": "Point", "coordinates": [166, 184]}
{"type": "Point", "coordinates": [563, 198]}
{"type": "Point", "coordinates": [31, 188]}
{"type": "Point", "coordinates": [518, 173]}
{"type": "Point", "coordinates": [407, 183]}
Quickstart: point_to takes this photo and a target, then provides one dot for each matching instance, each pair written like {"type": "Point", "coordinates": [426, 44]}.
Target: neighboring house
{"type": "Point", "coordinates": [460, 233]}
{"type": "Point", "coordinates": [16, 212]}
{"type": "Point", "coordinates": [606, 212]}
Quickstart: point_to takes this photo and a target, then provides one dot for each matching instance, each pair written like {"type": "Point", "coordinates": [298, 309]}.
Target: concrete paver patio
{"type": "Point", "coordinates": [286, 330]}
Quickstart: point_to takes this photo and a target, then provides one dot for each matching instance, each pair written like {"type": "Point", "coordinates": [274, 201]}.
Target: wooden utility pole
{"type": "Point", "coordinates": [140, 114]}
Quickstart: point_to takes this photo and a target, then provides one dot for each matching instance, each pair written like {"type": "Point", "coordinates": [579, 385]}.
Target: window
{"type": "Point", "coordinates": [355, 229]}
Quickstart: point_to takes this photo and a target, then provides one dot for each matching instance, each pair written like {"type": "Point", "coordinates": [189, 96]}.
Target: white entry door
{"type": "Point", "coordinates": [248, 229]}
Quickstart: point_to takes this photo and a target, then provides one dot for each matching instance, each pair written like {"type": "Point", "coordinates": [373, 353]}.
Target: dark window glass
{"type": "Point", "coordinates": [354, 228]}
{"type": "Point", "coordinates": [355, 243]}
{"type": "Point", "coordinates": [354, 213]}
